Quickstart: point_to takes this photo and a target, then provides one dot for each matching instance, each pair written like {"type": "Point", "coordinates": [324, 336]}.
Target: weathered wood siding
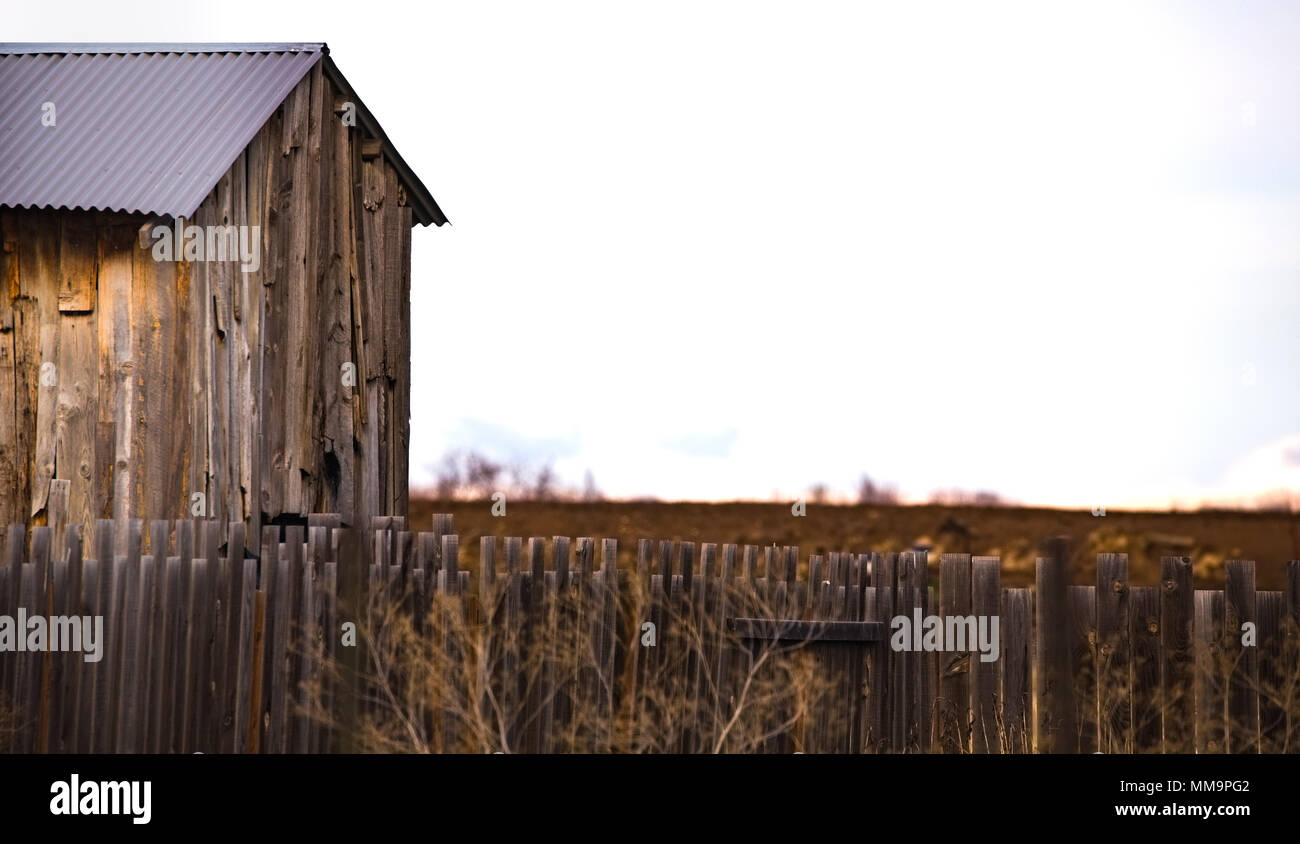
{"type": "Point", "coordinates": [171, 379]}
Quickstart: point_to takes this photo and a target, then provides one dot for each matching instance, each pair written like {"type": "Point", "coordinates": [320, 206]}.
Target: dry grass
{"type": "Point", "coordinates": [469, 682]}
{"type": "Point", "coordinates": [466, 678]}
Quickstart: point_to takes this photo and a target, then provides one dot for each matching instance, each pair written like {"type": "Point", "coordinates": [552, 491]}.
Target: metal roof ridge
{"type": "Point", "coordinates": [88, 48]}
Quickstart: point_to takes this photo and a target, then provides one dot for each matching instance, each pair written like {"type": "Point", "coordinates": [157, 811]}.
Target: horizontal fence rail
{"type": "Point", "coordinates": [319, 638]}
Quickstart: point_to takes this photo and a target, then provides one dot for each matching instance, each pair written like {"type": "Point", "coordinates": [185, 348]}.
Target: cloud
{"type": "Point", "coordinates": [1270, 469]}
{"type": "Point", "coordinates": [505, 443]}
{"type": "Point", "coordinates": [704, 444]}
{"type": "Point", "coordinates": [1266, 474]}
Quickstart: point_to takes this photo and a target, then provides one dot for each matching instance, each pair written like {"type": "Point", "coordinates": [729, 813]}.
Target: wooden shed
{"type": "Point", "coordinates": [162, 363]}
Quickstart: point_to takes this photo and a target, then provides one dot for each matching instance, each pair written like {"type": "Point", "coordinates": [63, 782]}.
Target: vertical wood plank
{"type": "Point", "coordinates": [13, 561]}
{"type": "Point", "coordinates": [230, 587]}
{"type": "Point", "coordinates": [1274, 684]}
{"type": "Point", "coordinates": [127, 686]}
{"type": "Point", "coordinates": [1081, 624]}
{"type": "Point", "coordinates": [160, 700]}
{"type": "Point", "coordinates": [1017, 687]}
{"type": "Point", "coordinates": [1243, 660]}
{"type": "Point", "coordinates": [280, 604]}
{"type": "Point", "coordinates": [954, 667]}
{"type": "Point", "coordinates": [77, 412]}
{"type": "Point", "coordinates": [108, 605]}
{"type": "Point", "coordinates": [609, 636]}
{"type": "Point", "coordinates": [248, 649]}
{"type": "Point", "coordinates": [514, 685]}
{"type": "Point", "coordinates": [1178, 697]}
{"type": "Point", "coordinates": [39, 258]}
{"type": "Point", "coordinates": [76, 278]}
{"type": "Point", "coordinates": [148, 635]}
{"type": "Point", "coordinates": [83, 734]}
{"type": "Point", "coordinates": [52, 663]}
{"type": "Point", "coordinates": [1144, 641]}
{"type": "Point", "coordinates": [204, 579]}
{"type": "Point", "coordinates": [1114, 686]}
{"type": "Point", "coordinates": [257, 646]}
{"type": "Point", "coordinates": [452, 732]}
{"type": "Point", "coordinates": [12, 494]}
{"type": "Point", "coordinates": [349, 606]}
{"type": "Point", "coordinates": [330, 624]}
{"type": "Point", "coordinates": [1211, 701]}
{"type": "Point", "coordinates": [1054, 679]}
{"type": "Point", "coordinates": [927, 661]}
{"type": "Point", "coordinates": [537, 707]}
{"type": "Point", "coordinates": [288, 664]}
{"type": "Point", "coordinates": [859, 658]}
{"type": "Point", "coordinates": [885, 581]}
{"type": "Point", "coordinates": [27, 676]}
{"type": "Point", "coordinates": [986, 593]}
{"type": "Point", "coordinates": [177, 652]}
{"type": "Point", "coordinates": [26, 371]}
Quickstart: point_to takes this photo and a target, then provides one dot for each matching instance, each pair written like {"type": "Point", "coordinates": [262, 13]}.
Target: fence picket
{"type": "Point", "coordinates": [1111, 653]}
{"type": "Point", "coordinates": [1240, 609]}
{"type": "Point", "coordinates": [1144, 642]}
{"type": "Point", "coordinates": [1211, 703]}
{"type": "Point", "coordinates": [954, 674]}
{"type": "Point", "coordinates": [986, 594]}
{"type": "Point", "coordinates": [1054, 730]}
{"type": "Point", "coordinates": [1177, 697]}
{"type": "Point", "coordinates": [1017, 665]}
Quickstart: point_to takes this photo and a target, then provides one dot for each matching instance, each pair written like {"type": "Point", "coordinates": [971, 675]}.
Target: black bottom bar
{"type": "Point", "coordinates": [601, 796]}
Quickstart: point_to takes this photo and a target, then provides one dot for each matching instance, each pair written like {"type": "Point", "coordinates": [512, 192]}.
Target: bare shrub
{"type": "Point", "coordinates": [481, 475]}
{"type": "Point", "coordinates": [590, 492]}
{"type": "Point", "coordinates": [871, 493]}
{"type": "Point", "coordinates": [447, 477]}
{"type": "Point", "coordinates": [488, 676]}
{"type": "Point", "coordinates": [967, 498]}
{"type": "Point", "coordinates": [545, 484]}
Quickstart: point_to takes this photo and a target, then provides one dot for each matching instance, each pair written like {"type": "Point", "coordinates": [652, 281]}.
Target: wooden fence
{"type": "Point", "coordinates": [209, 638]}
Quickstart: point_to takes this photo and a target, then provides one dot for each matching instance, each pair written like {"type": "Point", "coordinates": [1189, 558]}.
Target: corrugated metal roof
{"type": "Point", "coordinates": [147, 127]}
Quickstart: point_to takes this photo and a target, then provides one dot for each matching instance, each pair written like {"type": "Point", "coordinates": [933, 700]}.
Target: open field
{"type": "Point", "coordinates": [1014, 534]}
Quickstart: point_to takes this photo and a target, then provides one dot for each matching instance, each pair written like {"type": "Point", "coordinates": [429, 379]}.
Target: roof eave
{"type": "Point", "coordinates": [424, 207]}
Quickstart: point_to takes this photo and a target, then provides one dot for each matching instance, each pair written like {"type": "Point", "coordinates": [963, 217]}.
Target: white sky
{"type": "Point", "coordinates": [728, 250]}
